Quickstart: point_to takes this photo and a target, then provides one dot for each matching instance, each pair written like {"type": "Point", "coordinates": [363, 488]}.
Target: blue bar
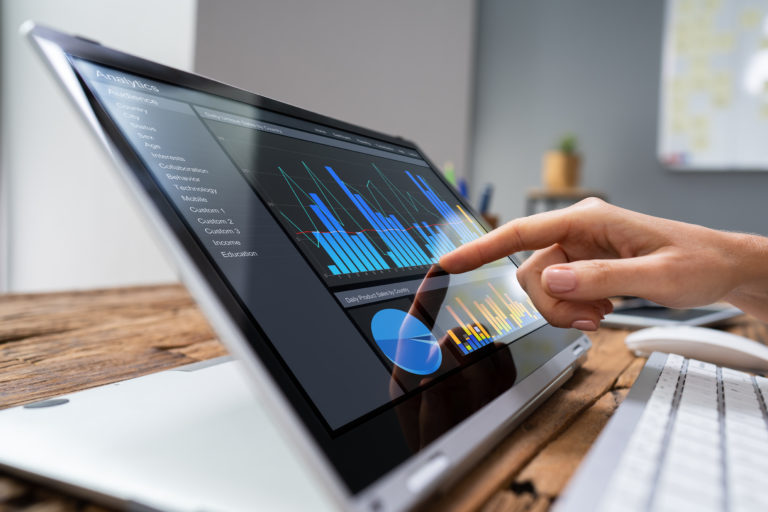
{"type": "Point", "coordinates": [395, 240]}
{"type": "Point", "coordinates": [339, 229]}
{"type": "Point", "coordinates": [436, 255]}
{"type": "Point", "coordinates": [373, 250]}
{"type": "Point", "coordinates": [334, 270]}
{"type": "Point", "coordinates": [403, 237]}
{"type": "Point", "coordinates": [437, 239]}
{"type": "Point", "coordinates": [331, 252]}
{"type": "Point", "coordinates": [421, 232]}
{"type": "Point", "coordinates": [408, 252]}
{"type": "Point", "coordinates": [483, 342]}
{"type": "Point", "coordinates": [410, 242]}
{"type": "Point", "coordinates": [358, 252]}
{"type": "Point", "coordinates": [338, 244]}
{"type": "Point", "coordinates": [336, 231]}
{"type": "Point", "coordinates": [451, 246]}
{"type": "Point", "coordinates": [419, 252]}
{"type": "Point", "coordinates": [381, 229]}
{"type": "Point", "coordinates": [369, 259]}
{"type": "Point", "coordinates": [380, 226]}
{"type": "Point", "coordinates": [377, 260]}
{"type": "Point", "coordinates": [430, 244]}
{"type": "Point", "coordinates": [347, 267]}
{"type": "Point", "coordinates": [441, 206]}
{"type": "Point", "coordinates": [351, 241]}
{"type": "Point", "coordinates": [474, 341]}
{"type": "Point", "coordinates": [397, 248]}
{"type": "Point", "coordinates": [391, 254]}
{"type": "Point", "coordinates": [355, 198]}
{"type": "Point", "coordinates": [453, 218]}
{"type": "Point", "coordinates": [402, 240]}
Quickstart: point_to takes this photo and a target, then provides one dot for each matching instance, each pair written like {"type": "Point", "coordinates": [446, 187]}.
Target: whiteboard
{"type": "Point", "coordinates": [714, 85]}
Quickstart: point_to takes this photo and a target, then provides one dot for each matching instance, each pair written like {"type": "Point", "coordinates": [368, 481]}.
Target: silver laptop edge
{"type": "Point", "coordinates": [460, 444]}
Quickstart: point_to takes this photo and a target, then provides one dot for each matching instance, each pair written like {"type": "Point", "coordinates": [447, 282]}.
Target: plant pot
{"type": "Point", "coordinates": [561, 170]}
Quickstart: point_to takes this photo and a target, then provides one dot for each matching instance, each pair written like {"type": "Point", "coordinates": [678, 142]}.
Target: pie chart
{"type": "Point", "coordinates": [406, 341]}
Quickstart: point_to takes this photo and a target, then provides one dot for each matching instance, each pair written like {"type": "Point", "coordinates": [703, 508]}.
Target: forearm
{"type": "Point", "coordinates": [750, 260]}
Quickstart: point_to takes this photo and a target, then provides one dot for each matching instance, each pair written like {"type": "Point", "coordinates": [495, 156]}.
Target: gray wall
{"type": "Point", "coordinates": [67, 220]}
{"type": "Point", "coordinates": [398, 66]}
{"type": "Point", "coordinates": [547, 67]}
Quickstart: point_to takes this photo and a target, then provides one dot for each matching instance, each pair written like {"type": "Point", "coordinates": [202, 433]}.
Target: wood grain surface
{"type": "Point", "coordinates": [57, 343]}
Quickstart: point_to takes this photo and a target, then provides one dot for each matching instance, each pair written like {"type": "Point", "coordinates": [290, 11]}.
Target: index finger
{"type": "Point", "coordinates": [523, 234]}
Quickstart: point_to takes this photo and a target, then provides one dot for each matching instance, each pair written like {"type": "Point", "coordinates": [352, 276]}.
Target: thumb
{"type": "Point", "coordinates": [587, 280]}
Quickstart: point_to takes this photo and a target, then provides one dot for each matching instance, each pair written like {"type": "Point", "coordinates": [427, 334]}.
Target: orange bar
{"type": "Point", "coordinates": [455, 338]}
{"type": "Point", "coordinates": [488, 317]}
{"type": "Point", "coordinates": [470, 220]}
{"type": "Point", "coordinates": [509, 299]}
{"type": "Point", "coordinates": [500, 297]}
{"type": "Point", "coordinates": [499, 320]}
{"type": "Point", "coordinates": [478, 334]}
{"type": "Point", "coordinates": [516, 315]}
{"type": "Point", "coordinates": [501, 317]}
{"type": "Point", "coordinates": [495, 307]}
{"type": "Point", "coordinates": [472, 317]}
{"type": "Point", "coordinates": [458, 320]}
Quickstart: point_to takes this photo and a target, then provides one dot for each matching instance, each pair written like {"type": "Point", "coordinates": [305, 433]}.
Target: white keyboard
{"type": "Point", "coordinates": [701, 443]}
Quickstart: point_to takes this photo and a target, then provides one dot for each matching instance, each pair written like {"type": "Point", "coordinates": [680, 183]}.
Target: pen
{"type": "Point", "coordinates": [463, 188]}
{"type": "Point", "coordinates": [485, 200]}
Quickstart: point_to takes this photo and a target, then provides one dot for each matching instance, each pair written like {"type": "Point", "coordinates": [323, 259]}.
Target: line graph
{"type": "Point", "coordinates": [355, 217]}
{"type": "Point", "coordinates": [378, 226]}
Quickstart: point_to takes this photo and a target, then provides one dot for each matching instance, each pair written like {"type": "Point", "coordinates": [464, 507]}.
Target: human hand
{"type": "Point", "coordinates": [442, 405]}
{"type": "Point", "coordinates": [593, 250]}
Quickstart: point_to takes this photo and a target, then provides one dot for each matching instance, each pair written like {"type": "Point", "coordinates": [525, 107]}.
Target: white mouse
{"type": "Point", "coordinates": [710, 345]}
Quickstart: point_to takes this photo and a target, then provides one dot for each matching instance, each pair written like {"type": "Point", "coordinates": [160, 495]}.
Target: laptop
{"type": "Point", "coordinates": [311, 245]}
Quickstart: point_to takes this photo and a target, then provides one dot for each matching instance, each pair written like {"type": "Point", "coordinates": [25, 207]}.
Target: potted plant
{"type": "Point", "coordinates": [562, 166]}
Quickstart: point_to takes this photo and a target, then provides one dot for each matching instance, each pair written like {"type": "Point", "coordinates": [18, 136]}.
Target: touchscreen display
{"type": "Point", "coordinates": [328, 238]}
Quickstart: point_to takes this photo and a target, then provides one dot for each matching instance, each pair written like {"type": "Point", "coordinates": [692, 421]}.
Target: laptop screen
{"type": "Point", "coordinates": [326, 236]}
{"type": "Point", "coordinates": [312, 245]}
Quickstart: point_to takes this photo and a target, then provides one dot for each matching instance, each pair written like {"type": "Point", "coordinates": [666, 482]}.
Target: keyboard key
{"type": "Point", "coordinates": [680, 494]}
{"type": "Point", "coordinates": [710, 368]}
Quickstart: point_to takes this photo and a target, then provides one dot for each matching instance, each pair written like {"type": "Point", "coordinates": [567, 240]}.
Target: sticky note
{"type": "Point", "coordinates": [750, 18]}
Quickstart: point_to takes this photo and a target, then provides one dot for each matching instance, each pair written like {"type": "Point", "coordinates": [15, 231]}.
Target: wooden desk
{"type": "Point", "coordinates": [51, 344]}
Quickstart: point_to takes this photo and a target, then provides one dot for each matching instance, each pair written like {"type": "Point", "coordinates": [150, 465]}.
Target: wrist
{"type": "Point", "coordinates": [748, 258]}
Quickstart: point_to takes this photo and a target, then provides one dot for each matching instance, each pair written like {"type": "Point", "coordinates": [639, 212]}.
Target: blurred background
{"type": "Point", "coordinates": [492, 90]}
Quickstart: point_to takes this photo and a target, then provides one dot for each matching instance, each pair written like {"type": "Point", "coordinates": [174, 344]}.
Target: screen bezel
{"type": "Point", "coordinates": [205, 283]}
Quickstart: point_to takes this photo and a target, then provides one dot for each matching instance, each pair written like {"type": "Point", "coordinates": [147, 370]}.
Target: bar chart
{"type": "Point", "coordinates": [483, 319]}
{"type": "Point", "coordinates": [380, 226]}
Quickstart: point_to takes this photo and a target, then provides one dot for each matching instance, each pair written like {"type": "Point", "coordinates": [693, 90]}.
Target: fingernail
{"type": "Point", "coordinates": [560, 280]}
{"type": "Point", "coordinates": [584, 325]}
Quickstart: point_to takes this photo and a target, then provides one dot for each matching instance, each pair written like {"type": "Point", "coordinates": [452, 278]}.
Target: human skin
{"type": "Point", "coordinates": [592, 250]}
